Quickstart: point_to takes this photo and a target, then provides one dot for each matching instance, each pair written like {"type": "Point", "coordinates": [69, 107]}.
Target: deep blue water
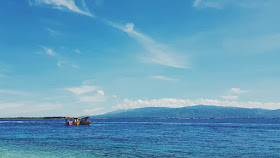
{"type": "Point", "coordinates": [141, 138]}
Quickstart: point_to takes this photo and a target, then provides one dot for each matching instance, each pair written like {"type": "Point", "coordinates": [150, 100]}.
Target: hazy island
{"type": "Point", "coordinates": [198, 111]}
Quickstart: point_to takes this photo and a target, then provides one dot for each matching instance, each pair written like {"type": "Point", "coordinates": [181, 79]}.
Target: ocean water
{"type": "Point", "coordinates": [141, 138]}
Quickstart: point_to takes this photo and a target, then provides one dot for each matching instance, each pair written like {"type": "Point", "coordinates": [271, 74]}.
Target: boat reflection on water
{"type": "Point", "coordinates": [69, 121]}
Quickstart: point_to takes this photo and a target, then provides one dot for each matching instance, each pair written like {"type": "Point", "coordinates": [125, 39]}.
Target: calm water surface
{"type": "Point", "coordinates": [141, 138]}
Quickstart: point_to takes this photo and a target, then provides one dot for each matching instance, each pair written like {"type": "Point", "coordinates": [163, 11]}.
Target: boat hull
{"type": "Point", "coordinates": [76, 123]}
{"type": "Point", "coordinates": [85, 123]}
{"type": "Point", "coordinates": [69, 123]}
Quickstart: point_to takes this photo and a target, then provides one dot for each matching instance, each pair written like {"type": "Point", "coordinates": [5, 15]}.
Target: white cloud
{"type": "Point", "coordinates": [63, 5]}
{"type": "Point", "coordinates": [49, 51]}
{"type": "Point", "coordinates": [177, 103]}
{"type": "Point", "coordinates": [164, 78]}
{"type": "Point", "coordinates": [101, 92]}
{"type": "Point", "coordinates": [94, 111]}
{"type": "Point", "coordinates": [158, 53]}
{"type": "Point", "coordinates": [230, 97]}
{"type": "Point", "coordinates": [14, 92]}
{"type": "Point", "coordinates": [82, 89]}
{"type": "Point", "coordinates": [237, 90]}
{"type": "Point", "coordinates": [98, 97]}
{"type": "Point", "coordinates": [92, 99]}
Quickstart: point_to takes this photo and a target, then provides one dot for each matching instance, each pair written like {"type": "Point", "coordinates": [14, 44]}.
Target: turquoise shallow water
{"type": "Point", "coordinates": [141, 138]}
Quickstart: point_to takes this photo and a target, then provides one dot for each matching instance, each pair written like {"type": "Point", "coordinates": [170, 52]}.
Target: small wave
{"type": "Point", "coordinates": [19, 122]}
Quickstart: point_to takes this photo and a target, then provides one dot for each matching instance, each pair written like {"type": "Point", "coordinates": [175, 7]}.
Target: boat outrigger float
{"type": "Point", "coordinates": [69, 121]}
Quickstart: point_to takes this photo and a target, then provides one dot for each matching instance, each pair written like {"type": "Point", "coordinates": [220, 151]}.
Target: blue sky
{"type": "Point", "coordinates": [88, 57]}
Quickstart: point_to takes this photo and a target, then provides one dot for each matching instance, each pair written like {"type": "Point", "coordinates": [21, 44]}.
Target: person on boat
{"type": "Point", "coordinates": [68, 121]}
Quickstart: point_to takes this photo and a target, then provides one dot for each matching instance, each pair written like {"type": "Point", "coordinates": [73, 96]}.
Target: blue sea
{"type": "Point", "coordinates": [141, 138]}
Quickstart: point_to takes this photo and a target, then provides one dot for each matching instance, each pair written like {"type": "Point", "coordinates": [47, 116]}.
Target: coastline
{"type": "Point", "coordinates": [63, 117]}
{"type": "Point", "coordinates": [28, 118]}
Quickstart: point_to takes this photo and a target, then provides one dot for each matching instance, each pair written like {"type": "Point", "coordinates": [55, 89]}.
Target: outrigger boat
{"type": "Point", "coordinates": [69, 121]}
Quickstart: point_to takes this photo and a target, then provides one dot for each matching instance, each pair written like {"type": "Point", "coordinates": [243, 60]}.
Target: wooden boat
{"type": "Point", "coordinates": [69, 121]}
{"type": "Point", "coordinates": [76, 121]}
{"type": "Point", "coordinates": [85, 121]}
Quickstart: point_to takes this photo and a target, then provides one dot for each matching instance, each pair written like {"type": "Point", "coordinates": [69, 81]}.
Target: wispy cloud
{"type": "Point", "coordinates": [64, 5]}
{"type": "Point", "coordinates": [10, 105]}
{"type": "Point", "coordinates": [82, 89]}
{"type": "Point", "coordinates": [164, 78]}
{"type": "Point", "coordinates": [49, 51]}
{"type": "Point", "coordinates": [237, 91]}
{"type": "Point", "coordinates": [205, 4]}
{"type": "Point", "coordinates": [53, 32]}
{"type": "Point", "coordinates": [196, 3]}
{"type": "Point", "coordinates": [59, 63]}
{"type": "Point", "coordinates": [98, 97]}
{"type": "Point", "coordinates": [88, 94]}
{"type": "Point", "coordinates": [177, 103]}
{"type": "Point", "coordinates": [158, 53]}
{"type": "Point", "coordinates": [232, 93]}
{"type": "Point", "coordinates": [75, 66]}
{"type": "Point", "coordinates": [77, 51]}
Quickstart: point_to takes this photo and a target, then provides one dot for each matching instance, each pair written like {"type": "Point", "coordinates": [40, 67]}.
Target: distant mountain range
{"type": "Point", "coordinates": [199, 111]}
